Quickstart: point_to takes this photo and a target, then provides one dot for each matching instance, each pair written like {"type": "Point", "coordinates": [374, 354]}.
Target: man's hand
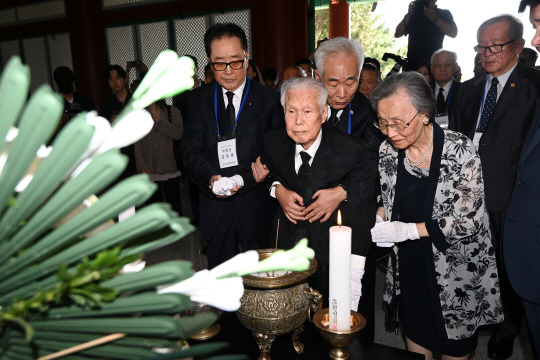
{"type": "Point", "coordinates": [327, 202]}
{"type": "Point", "coordinates": [430, 14]}
{"type": "Point", "coordinates": [291, 203]}
{"type": "Point", "coordinates": [260, 171]}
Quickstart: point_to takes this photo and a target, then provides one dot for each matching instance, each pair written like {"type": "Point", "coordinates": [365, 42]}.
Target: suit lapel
{"type": "Point", "coordinates": [319, 167]}
{"type": "Point", "coordinates": [508, 97]}
{"type": "Point", "coordinates": [247, 112]}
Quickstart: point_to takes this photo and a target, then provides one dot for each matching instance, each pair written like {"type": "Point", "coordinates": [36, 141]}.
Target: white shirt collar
{"type": "Point", "coordinates": [312, 149]}
{"type": "Point", "coordinates": [237, 93]}
{"type": "Point", "coordinates": [502, 79]}
{"type": "Point", "coordinates": [446, 88]}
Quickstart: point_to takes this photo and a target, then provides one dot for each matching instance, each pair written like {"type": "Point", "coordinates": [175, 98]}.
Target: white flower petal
{"type": "Point", "coordinates": [129, 129]}
{"type": "Point", "coordinates": [247, 259]}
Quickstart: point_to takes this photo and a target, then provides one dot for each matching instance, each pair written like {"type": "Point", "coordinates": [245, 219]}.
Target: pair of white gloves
{"type": "Point", "coordinates": [224, 185]}
{"type": "Point", "coordinates": [387, 233]}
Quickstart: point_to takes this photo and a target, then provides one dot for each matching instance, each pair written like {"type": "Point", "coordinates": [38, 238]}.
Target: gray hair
{"type": "Point", "coordinates": [515, 26]}
{"type": "Point", "coordinates": [442, 51]}
{"type": "Point", "coordinates": [307, 84]}
{"type": "Point", "coordinates": [335, 46]}
{"type": "Point", "coordinates": [415, 86]}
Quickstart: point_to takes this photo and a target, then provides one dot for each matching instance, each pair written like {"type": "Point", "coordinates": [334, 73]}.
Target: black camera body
{"type": "Point", "coordinates": [420, 5]}
{"type": "Point", "coordinates": [135, 63]}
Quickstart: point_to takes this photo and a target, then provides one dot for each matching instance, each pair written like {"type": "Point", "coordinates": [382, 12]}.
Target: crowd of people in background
{"type": "Point", "coordinates": [420, 160]}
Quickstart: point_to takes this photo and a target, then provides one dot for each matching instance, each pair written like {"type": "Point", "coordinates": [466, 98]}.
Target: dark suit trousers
{"type": "Point", "coordinates": [532, 311]}
{"type": "Point", "coordinates": [512, 305]}
{"type": "Point", "coordinates": [229, 238]}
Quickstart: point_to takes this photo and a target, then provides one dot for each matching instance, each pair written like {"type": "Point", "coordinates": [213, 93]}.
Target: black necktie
{"type": "Point", "coordinates": [333, 116]}
{"type": "Point", "coordinates": [303, 171]}
{"type": "Point", "coordinates": [489, 106]}
{"type": "Point", "coordinates": [441, 104]}
{"type": "Point", "coordinates": [230, 111]}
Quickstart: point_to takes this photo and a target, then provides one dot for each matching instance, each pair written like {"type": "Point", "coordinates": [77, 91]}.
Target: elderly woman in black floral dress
{"type": "Point", "coordinates": [443, 277]}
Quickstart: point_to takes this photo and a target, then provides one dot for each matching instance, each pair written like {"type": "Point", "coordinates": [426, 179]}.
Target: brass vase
{"type": "Point", "coordinates": [277, 304]}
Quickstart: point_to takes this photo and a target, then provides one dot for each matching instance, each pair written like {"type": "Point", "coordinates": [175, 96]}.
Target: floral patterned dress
{"type": "Point", "coordinates": [465, 271]}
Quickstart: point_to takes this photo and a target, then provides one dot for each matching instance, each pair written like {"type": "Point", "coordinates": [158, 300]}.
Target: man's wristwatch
{"type": "Point", "coordinates": [344, 189]}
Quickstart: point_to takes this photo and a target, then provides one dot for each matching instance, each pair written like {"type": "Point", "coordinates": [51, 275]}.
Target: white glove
{"type": "Point", "coordinates": [378, 219]}
{"type": "Point", "coordinates": [224, 185]}
{"type": "Point", "coordinates": [357, 272]}
{"type": "Point", "coordinates": [394, 231]}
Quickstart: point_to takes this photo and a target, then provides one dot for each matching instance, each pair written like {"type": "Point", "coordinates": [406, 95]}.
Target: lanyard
{"type": "Point", "coordinates": [239, 110]}
{"type": "Point", "coordinates": [449, 95]}
{"type": "Point", "coordinates": [349, 128]}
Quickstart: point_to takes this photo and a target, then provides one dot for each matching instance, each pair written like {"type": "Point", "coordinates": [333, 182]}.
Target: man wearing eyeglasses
{"type": "Point", "coordinates": [496, 110]}
{"type": "Point", "coordinates": [225, 125]}
{"type": "Point", "coordinates": [445, 87]}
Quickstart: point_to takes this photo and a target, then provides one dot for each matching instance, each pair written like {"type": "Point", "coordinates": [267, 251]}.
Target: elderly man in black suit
{"type": "Point", "coordinates": [521, 245]}
{"type": "Point", "coordinates": [318, 170]}
{"type": "Point", "coordinates": [224, 133]}
{"type": "Point", "coordinates": [445, 87]}
{"type": "Point", "coordinates": [339, 63]}
{"type": "Point", "coordinates": [496, 110]}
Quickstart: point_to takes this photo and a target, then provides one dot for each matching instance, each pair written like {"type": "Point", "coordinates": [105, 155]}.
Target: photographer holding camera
{"type": "Point", "coordinates": [426, 26]}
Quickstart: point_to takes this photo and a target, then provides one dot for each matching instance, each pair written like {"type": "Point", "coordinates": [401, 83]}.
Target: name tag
{"type": "Point", "coordinates": [476, 139]}
{"type": "Point", "coordinates": [442, 120]}
{"type": "Point", "coordinates": [227, 153]}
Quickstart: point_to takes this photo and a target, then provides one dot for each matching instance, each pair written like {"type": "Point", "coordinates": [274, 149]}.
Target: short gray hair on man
{"type": "Point", "coordinates": [515, 26]}
{"type": "Point", "coordinates": [336, 46]}
{"type": "Point", "coordinates": [442, 51]}
{"type": "Point", "coordinates": [305, 83]}
{"type": "Point", "coordinates": [415, 86]}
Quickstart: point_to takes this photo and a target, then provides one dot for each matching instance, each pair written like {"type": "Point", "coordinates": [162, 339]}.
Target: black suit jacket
{"type": "Point", "coordinates": [340, 159]}
{"type": "Point", "coordinates": [362, 119]}
{"type": "Point", "coordinates": [522, 224]}
{"type": "Point", "coordinates": [261, 111]}
{"type": "Point", "coordinates": [501, 143]}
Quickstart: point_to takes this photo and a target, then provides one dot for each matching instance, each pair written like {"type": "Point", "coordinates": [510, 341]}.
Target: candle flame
{"type": "Point", "coordinates": [339, 217]}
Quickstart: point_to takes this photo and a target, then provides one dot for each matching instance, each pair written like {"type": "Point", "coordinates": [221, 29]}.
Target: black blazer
{"type": "Point", "coordinates": [340, 159]}
{"type": "Point", "coordinates": [362, 119]}
{"type": "Point", "coordinates": [522, 224]}
{"type": "Point", "coordinates": [501, 143]}
{"type": "Point", "coordinates": [261, 111]}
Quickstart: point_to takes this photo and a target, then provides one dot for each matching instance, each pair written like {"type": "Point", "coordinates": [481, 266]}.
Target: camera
{"type": "Point", "coordinates": [420, 5]}
{"type": "Point", "coordinates": [400, 62]}
{"type": "Point", "coordinates": [135, 63]}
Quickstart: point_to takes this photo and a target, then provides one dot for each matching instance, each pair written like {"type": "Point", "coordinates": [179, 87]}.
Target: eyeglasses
{"type": "Point", "coordinates": [383, 124]}
{"type": "Point", "coordinates": [495, 48]}
{"type": "Point", "coordinates": [441, 65]}
{"type": "Point", "coordinates": [235, 65]}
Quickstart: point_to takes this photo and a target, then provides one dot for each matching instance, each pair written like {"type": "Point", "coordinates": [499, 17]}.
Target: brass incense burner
{"type": "Point", "coordinates": [277, 303]}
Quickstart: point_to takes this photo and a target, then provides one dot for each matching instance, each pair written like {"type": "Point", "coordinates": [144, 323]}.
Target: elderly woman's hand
{"type": "Point", "coordinates": [394, 231]}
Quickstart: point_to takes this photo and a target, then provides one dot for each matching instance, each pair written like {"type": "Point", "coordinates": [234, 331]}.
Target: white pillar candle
{"type": "Point", "coordinates": [340, 277]}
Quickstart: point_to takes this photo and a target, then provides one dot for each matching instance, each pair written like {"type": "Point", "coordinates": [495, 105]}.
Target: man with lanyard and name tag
{"type": "Point", "coordinates": [446, 88]}
{"type": "Point", "coordinates": [338, 65]}
{"type": "Point", "coordinates": [495, 110]}
{"type": "Point", "coordinates": [224, 133]}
